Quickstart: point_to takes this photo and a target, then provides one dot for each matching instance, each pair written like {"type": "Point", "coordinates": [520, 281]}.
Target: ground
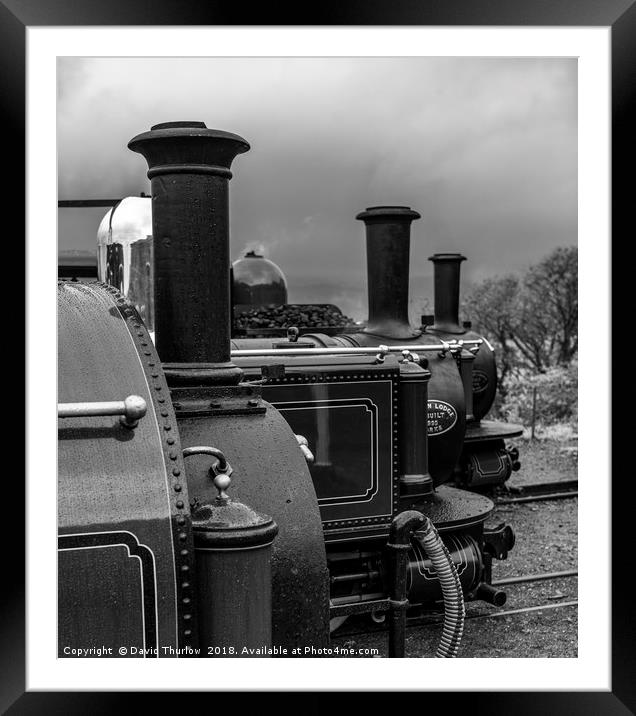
{"type": "Point", "coordinates": [546, 534]}
{"type": "Point", "coordinates": [545, 461]}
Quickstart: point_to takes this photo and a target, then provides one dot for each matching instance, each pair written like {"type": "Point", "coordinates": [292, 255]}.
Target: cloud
{"type": "Point", "coordinates": [483, 148]}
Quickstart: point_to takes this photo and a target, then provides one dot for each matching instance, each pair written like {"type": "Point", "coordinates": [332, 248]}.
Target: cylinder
{"type": "Point", "coordinates": [415, 480]}
{"type": "Point", "coordinates": [233, 551]}
{"type": "Point", "coordinates": [189, 172]}
{"type": "Point", "coordinates": [446, 279]}
{"type": "Point", "coordinates": [388, 246]}
{"type": "Point", "coordinates": [423, 584]}
{"type": "Point", "coordinates": [487, 464]}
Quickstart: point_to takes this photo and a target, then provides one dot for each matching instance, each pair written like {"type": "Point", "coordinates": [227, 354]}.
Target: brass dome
{"type": "Point", "coordinates": [257, 281]}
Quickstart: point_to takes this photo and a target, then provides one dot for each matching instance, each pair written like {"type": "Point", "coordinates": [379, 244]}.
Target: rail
{"type": "Point", "coordinates": [536, 577]}
{"type": "Point", "coordinates": [559, 490]}
{"type": "Point", "coordinates": [540, 498]}
{"type": "Point", "coordinates": [380, 601]}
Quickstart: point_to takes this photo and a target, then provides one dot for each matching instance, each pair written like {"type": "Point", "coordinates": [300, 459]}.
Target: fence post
{"type": "Point", "coordinates": [534, 412]}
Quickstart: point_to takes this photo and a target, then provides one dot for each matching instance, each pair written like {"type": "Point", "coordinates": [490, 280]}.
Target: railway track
{"type": "Point", "coordinates": [536, 577]}
{"type": "Point", "coordinates": [418, 622]}
{"type": "Point", "coordinates": [434, 620]}
{"type": "Point", "coordinates": [563, 489]}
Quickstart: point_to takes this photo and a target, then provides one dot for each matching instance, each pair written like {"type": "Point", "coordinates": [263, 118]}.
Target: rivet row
{"type": "Point", "coordinates": [158, 386]}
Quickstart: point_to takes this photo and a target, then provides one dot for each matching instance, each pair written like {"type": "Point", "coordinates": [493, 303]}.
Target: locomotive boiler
{"type": "Point", "coordinates": [261, 490]}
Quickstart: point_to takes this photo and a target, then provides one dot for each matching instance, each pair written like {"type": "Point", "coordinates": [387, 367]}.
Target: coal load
{"type": "Point", "coordinates": [276, 319]}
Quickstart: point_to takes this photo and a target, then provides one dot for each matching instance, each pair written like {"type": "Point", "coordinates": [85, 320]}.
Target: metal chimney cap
{"type": "Point", "coordinates": [188, 143]}
{"type": "Point", "coordinates": [447, 257]}
{"type": "Point", "coordinates": [178, 125]}
{"type": "Point", "coordinates": [404, 213]}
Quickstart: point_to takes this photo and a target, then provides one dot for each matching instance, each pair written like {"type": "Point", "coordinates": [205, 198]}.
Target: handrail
{"type": "Point", "coordinates": [380, 350]}
{"type": "Point", "coordinates": [131, 410]}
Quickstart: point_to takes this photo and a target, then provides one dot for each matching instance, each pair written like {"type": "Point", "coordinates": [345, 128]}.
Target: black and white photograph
{"type": "Point", "coordinates": [322, 328]}
{"type": "Point", "coordinates": [317, 357]}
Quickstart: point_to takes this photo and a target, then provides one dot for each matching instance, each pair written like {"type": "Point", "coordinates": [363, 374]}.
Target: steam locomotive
{"type": "Point", "coordinates": [261, 490]}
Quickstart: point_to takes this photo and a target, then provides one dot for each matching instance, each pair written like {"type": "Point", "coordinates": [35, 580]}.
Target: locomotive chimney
{"type": "Point", "coordinates": [388, 246]}
{"type": "Point", "coordinates": [446, 270]}
{"type": "Point", "coordinates": [189, 171]}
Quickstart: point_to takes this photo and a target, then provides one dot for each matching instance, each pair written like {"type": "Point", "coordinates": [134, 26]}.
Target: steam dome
{"type": "Point", "coordinates": [257, 281]}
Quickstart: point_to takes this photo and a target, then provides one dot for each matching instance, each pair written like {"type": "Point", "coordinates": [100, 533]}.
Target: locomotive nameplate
{"type": "Point", "coordinates": [442, 416]}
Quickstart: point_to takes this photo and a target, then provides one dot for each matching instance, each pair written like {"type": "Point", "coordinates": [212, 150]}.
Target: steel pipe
{"type": "Point", "coordinates": [221, 466]}
{"type": "Point", "coordinates": [355, 577]}
{"type": "Point", "coordinates": [402, 528]}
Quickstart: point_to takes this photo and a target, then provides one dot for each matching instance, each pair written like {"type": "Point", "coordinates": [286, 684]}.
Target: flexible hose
{"type": "Point", "coordinates": [454, 609]}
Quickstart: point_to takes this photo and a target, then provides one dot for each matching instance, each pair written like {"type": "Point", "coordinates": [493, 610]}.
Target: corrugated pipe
{"type": "Point", "coordinates": [454, 608]}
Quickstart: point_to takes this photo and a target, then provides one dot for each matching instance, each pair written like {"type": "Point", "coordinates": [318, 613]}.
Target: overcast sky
{"type": "Point", "coordinates": [484, 149]}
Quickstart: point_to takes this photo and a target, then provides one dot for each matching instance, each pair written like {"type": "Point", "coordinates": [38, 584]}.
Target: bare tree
{"type": "Point", "coordinates": [545, 324]}
{"type": "Point", "coordinates": [553, 287]}
{"type": "Point", "coordinates": [532, 332]}
{"type": "Point", "coordinates": [533, 320]}
{"type": "Point", "coordinates": [492, 307]}
{"type": "Point", "coordinates": [420, 306]}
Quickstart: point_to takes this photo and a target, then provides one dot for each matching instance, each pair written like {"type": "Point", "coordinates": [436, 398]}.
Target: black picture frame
{"type": "Point", "coordinates": [620, 15]}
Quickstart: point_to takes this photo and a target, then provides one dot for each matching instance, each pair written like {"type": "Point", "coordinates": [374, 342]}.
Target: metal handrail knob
{"type": "Point", "coordinates": [132, 409]}
{"type": "Point", "coordinates": [304, 448]}
{"type": "Point", "coordinates": [220, 472]}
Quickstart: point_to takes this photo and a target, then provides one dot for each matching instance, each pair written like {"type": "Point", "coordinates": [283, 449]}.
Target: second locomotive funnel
{"type": "Point", "coordinates": [388, 249]}
{"type": "Point", "coordinates": [446, 270]}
